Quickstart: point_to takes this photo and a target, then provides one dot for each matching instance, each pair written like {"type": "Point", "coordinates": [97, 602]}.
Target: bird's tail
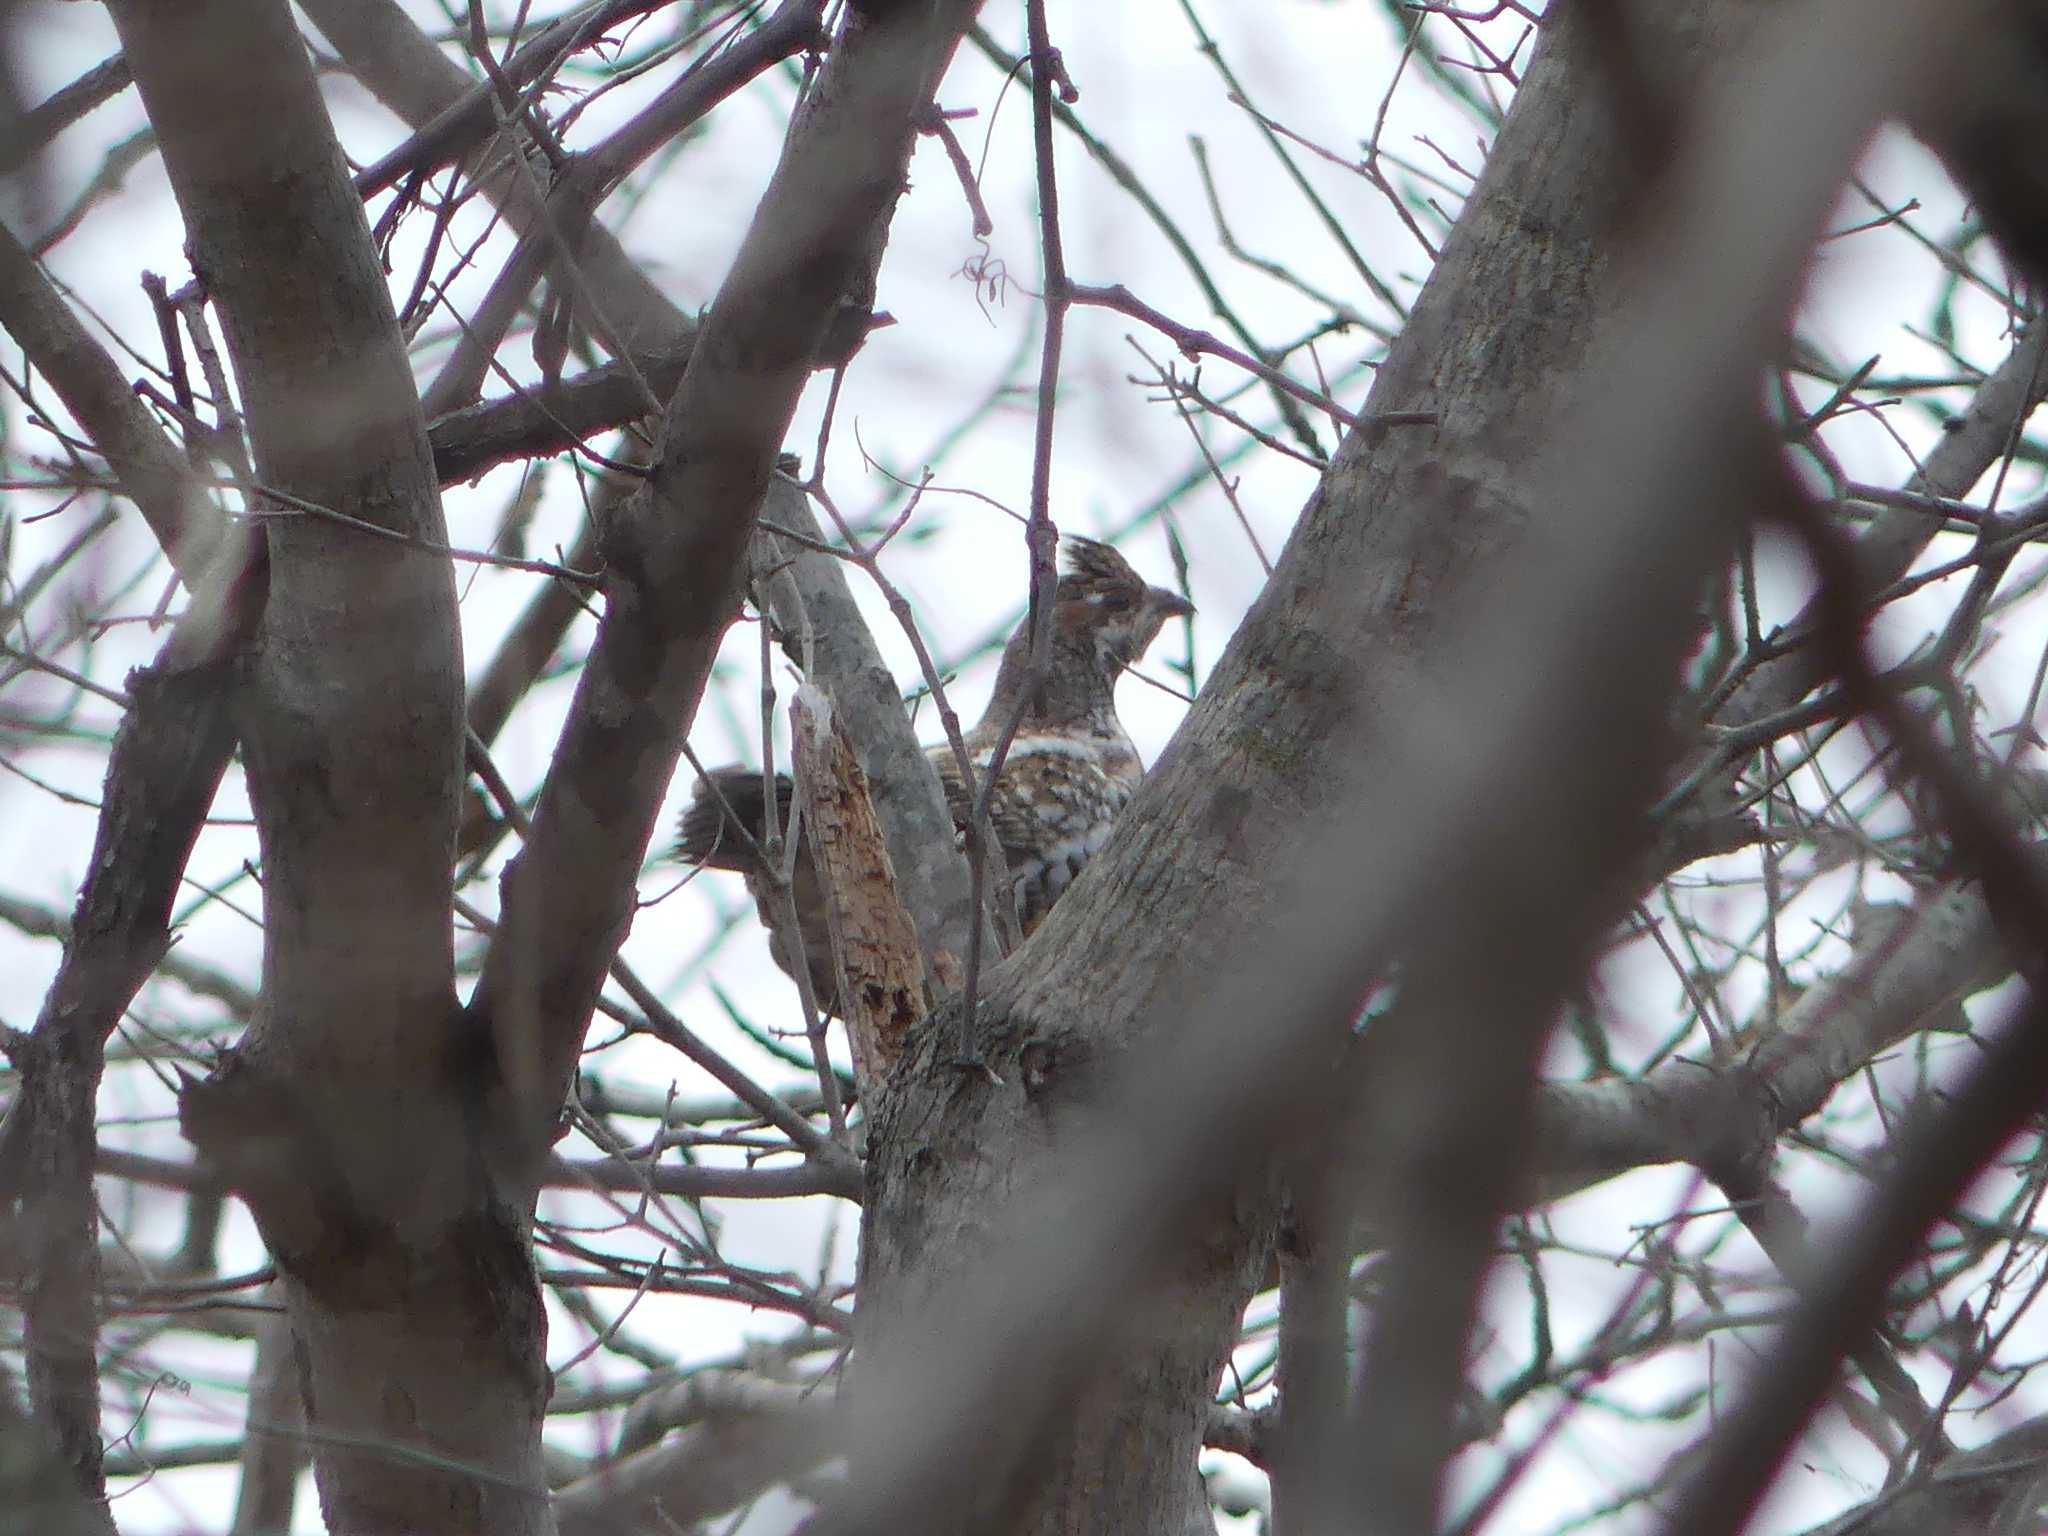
{"type": "Point", "coordinates": [723, 825]}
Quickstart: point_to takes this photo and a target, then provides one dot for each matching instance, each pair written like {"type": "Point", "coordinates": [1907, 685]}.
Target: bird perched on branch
{"type": "Point", "coordinates": [1070, 769]}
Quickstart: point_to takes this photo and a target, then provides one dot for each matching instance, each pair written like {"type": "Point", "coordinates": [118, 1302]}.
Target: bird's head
{"type": "Point", "coordinates": [1104, 608]}
{"type": "Point", "coordinates": [1103, 618]}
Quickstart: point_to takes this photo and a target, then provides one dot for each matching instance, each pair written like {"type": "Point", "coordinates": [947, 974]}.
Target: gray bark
{"type": "Point", "coordinates": [415, 1317]}
{"type": "Point", "coordinates": [39, 1495]}
{"type": "Point", "coordinates": [394, 59]}
{"type": "Point", "coordinates": [674, 555]}
{"type": "Point", "coordinates": [1910, 974]}
{"type": "Point", "coordinates": [389, 1146]}
{"type": "Point", "coordinates": [154, 474]}
{"type": "Point", "coordinates": [1995, 1487]}
{"type": "Point", "coordinates": [422, 1289]}
{"type": "Point", "coordinates": [166, 762]}
{"type": "Point", "coordinates": [1324, 666]}
{"type": "Point", "coordinates": [1435, 735]}
{"type": "Point", "coordinates": [273, 1451]}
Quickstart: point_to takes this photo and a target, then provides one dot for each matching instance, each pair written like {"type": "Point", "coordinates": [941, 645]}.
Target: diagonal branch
{"type": "Point", "coordinates": [1397, 755]}
{"type": "Point", "coordinates": [534, 423]}
{"type": "Point", "coordinates": [167, 760]}
{"type": "Point", "coordinates": [675, 555]}
{"type": "Point", "coordinates": [404, 68]}
{"type": "Point", "coordinates": [154, 473]}
{"type": "Point", "coordinates": [400, 65]}
{"type": "Point", "coordinates": [553, 240]}
{"type": "Point", "coordinates": [930, 874]}
{"type": "Point", "coordinates": [1899, 980]}
{"type": "Point", "coordinates": [470, 119]}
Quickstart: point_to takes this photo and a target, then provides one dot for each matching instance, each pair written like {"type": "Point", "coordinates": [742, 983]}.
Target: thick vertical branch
{"type": "Point", "coordinates": [1310, 1433]}
{"type": "Point", "coordinates": [167, 761]}
{"type": "Point", "coordinates": [412, 1296]}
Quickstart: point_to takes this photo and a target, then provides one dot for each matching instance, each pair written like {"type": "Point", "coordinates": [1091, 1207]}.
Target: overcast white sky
{"type": "Point", "coordinates": [1323, 69]}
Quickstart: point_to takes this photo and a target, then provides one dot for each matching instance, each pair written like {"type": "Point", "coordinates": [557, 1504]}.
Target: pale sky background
{"type": "Point", "coordinates": [1322, 69]}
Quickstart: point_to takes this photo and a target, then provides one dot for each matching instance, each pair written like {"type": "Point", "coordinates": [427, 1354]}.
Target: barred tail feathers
{"type": "Point", "coordinates": [723, 823]}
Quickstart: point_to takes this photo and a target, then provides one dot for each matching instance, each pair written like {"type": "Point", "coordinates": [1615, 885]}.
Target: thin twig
{"type": "Point", "coordinates": [1195, 343]}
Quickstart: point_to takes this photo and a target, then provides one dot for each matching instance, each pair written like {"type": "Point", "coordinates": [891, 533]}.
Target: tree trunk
{"type": "Point", "coordinates": [1334, 658]}
{"type": "Point", "coordinates": [346, 1115]}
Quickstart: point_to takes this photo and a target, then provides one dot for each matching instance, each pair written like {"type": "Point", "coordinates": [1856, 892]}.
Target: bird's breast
{"type": "Point", "coordinates": [1056, 805]}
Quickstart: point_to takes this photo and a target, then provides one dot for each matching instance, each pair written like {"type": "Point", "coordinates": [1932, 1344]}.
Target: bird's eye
{"type": "Point", "coordinates": [1116, 600]}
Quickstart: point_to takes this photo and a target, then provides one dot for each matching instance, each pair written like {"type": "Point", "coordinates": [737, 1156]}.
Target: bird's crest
{"type": "Point", "coordinates": [1098, 565]}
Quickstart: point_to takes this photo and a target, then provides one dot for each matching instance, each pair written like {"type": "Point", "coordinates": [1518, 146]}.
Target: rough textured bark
{"type": "Point", "coordinates": [839, 654]}
{"type": "Point", "coordinates": [874, 948]}
{"type": "Point", "coordinates": [1402, 525]}
{"type": "Point", "coordinates": [1597, 439]}
{"type": "Point", "coordinates": [1286, 714]}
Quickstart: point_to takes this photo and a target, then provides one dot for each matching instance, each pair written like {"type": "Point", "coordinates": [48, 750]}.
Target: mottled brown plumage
{"type": "Point", "coordinates": [1070, 770]}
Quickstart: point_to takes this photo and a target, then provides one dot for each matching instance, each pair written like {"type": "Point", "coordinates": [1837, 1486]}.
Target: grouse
{"type": "Point", "coordinates": [1070, 770]}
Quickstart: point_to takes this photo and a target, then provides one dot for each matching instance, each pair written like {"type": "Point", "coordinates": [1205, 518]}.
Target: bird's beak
{"type": "Point", "coordinates": [1172, 604]}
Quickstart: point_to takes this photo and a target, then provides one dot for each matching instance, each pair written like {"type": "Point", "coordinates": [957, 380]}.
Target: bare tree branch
{"type": "Point", "coordinates": [1906, 975]}
{"type": "Point", "coordinates": [673, 557]}
{"type": "Point", "coordinates": [152, 470]}
{"type": "Point", "coordinates": [740, 1438]}
{"type": "Point", "coordinates": [165, 765]}
{"type": "Point", "coordinates": [1459, 796]}
{"type": "Point", "coordinates": [868, 703]}
{"type": "Point", "coordinates": [401, 66]}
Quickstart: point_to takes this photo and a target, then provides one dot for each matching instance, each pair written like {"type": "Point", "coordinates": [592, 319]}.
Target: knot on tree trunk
{"type": "Point", "coordinates": [267, 1149]}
